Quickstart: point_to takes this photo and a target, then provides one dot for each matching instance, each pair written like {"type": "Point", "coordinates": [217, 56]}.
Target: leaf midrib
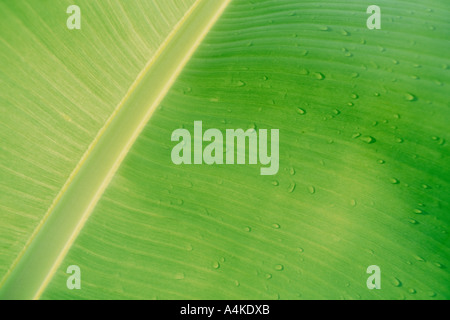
{"type": "Point", "coordinates": [43, 253]}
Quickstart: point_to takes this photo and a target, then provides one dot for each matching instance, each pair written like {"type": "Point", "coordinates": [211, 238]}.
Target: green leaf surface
{"type": "Point", "coordinates": [364, 177]}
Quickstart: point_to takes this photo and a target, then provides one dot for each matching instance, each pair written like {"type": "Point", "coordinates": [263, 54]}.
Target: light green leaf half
{"type": "Point", "coordinates": [364, 177]}
{"type": "Point", "coordinates": [72, 206]}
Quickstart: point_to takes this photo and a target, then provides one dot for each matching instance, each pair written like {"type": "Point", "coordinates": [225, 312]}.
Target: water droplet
{"type": "Point", "coordinates": [275, 183]}
{"type": "Point", "coordinates": [418, 211]}
{"type": "Point", "coordinates": [425, 186]}
{"type": "Point", "coordinates": [396, 282]}
{"type": "Point", "coordinates": [319, 75]}
{"type": "Point", "coordinates": [265, 78]}
{"type": "Point", "coordinates": [419, 258]}
{"type": "Point", "coordinates": [410, 97]}
{"type": "Point", "coordinates": [292, 171]}
{"type": "Point", "coordinates": [240, 83]}
{"type": "Point", "coordinates": [412, 291]}
{"type": "Point", "coordinates": [345, 33]}
{"type": "Point", "coordinates": [368, 139]}
{"type": "Point", "coordinates": [236, 283]}
{"type": "Point", "coordinates": [216, 265]}
{"type": "Point", "coordinates": [292, 187]}
{"type": "Point", "coordinates": [312, 189]}
{"type": "Point", "coordinates": [413, 221]}
{"type": "Point", "coordinates": [276, 226]}
{"type": "Point", "coordinates": [268, 276]}
{"type": "Point", "coordinates": [432, 294]}
{"type": "Point", "coordinates": [301, 111]}
{"type": "Point", "coordinates": [336, 111]}
{"type": "Point", "coordinates": [381, 161]}
{"type": "Point", "coordinates": [439, 265]}
{"type": "Point", "coordinates": [248, 229]}
{"type": "Point", "coordinates": [279, 267]}
{"type": "Point", "coordinates": [394, 181]}
{"type": "Point", "coordinates": [354, 96]}
{"type": "Point", "coordinates": [324, 28]}
{"type": "Point", "coordinates": [353, 202]}
{"type": "Point", "coordinates": [356, 135]}
{"type": "Point", "coordinates": [189, 247]}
